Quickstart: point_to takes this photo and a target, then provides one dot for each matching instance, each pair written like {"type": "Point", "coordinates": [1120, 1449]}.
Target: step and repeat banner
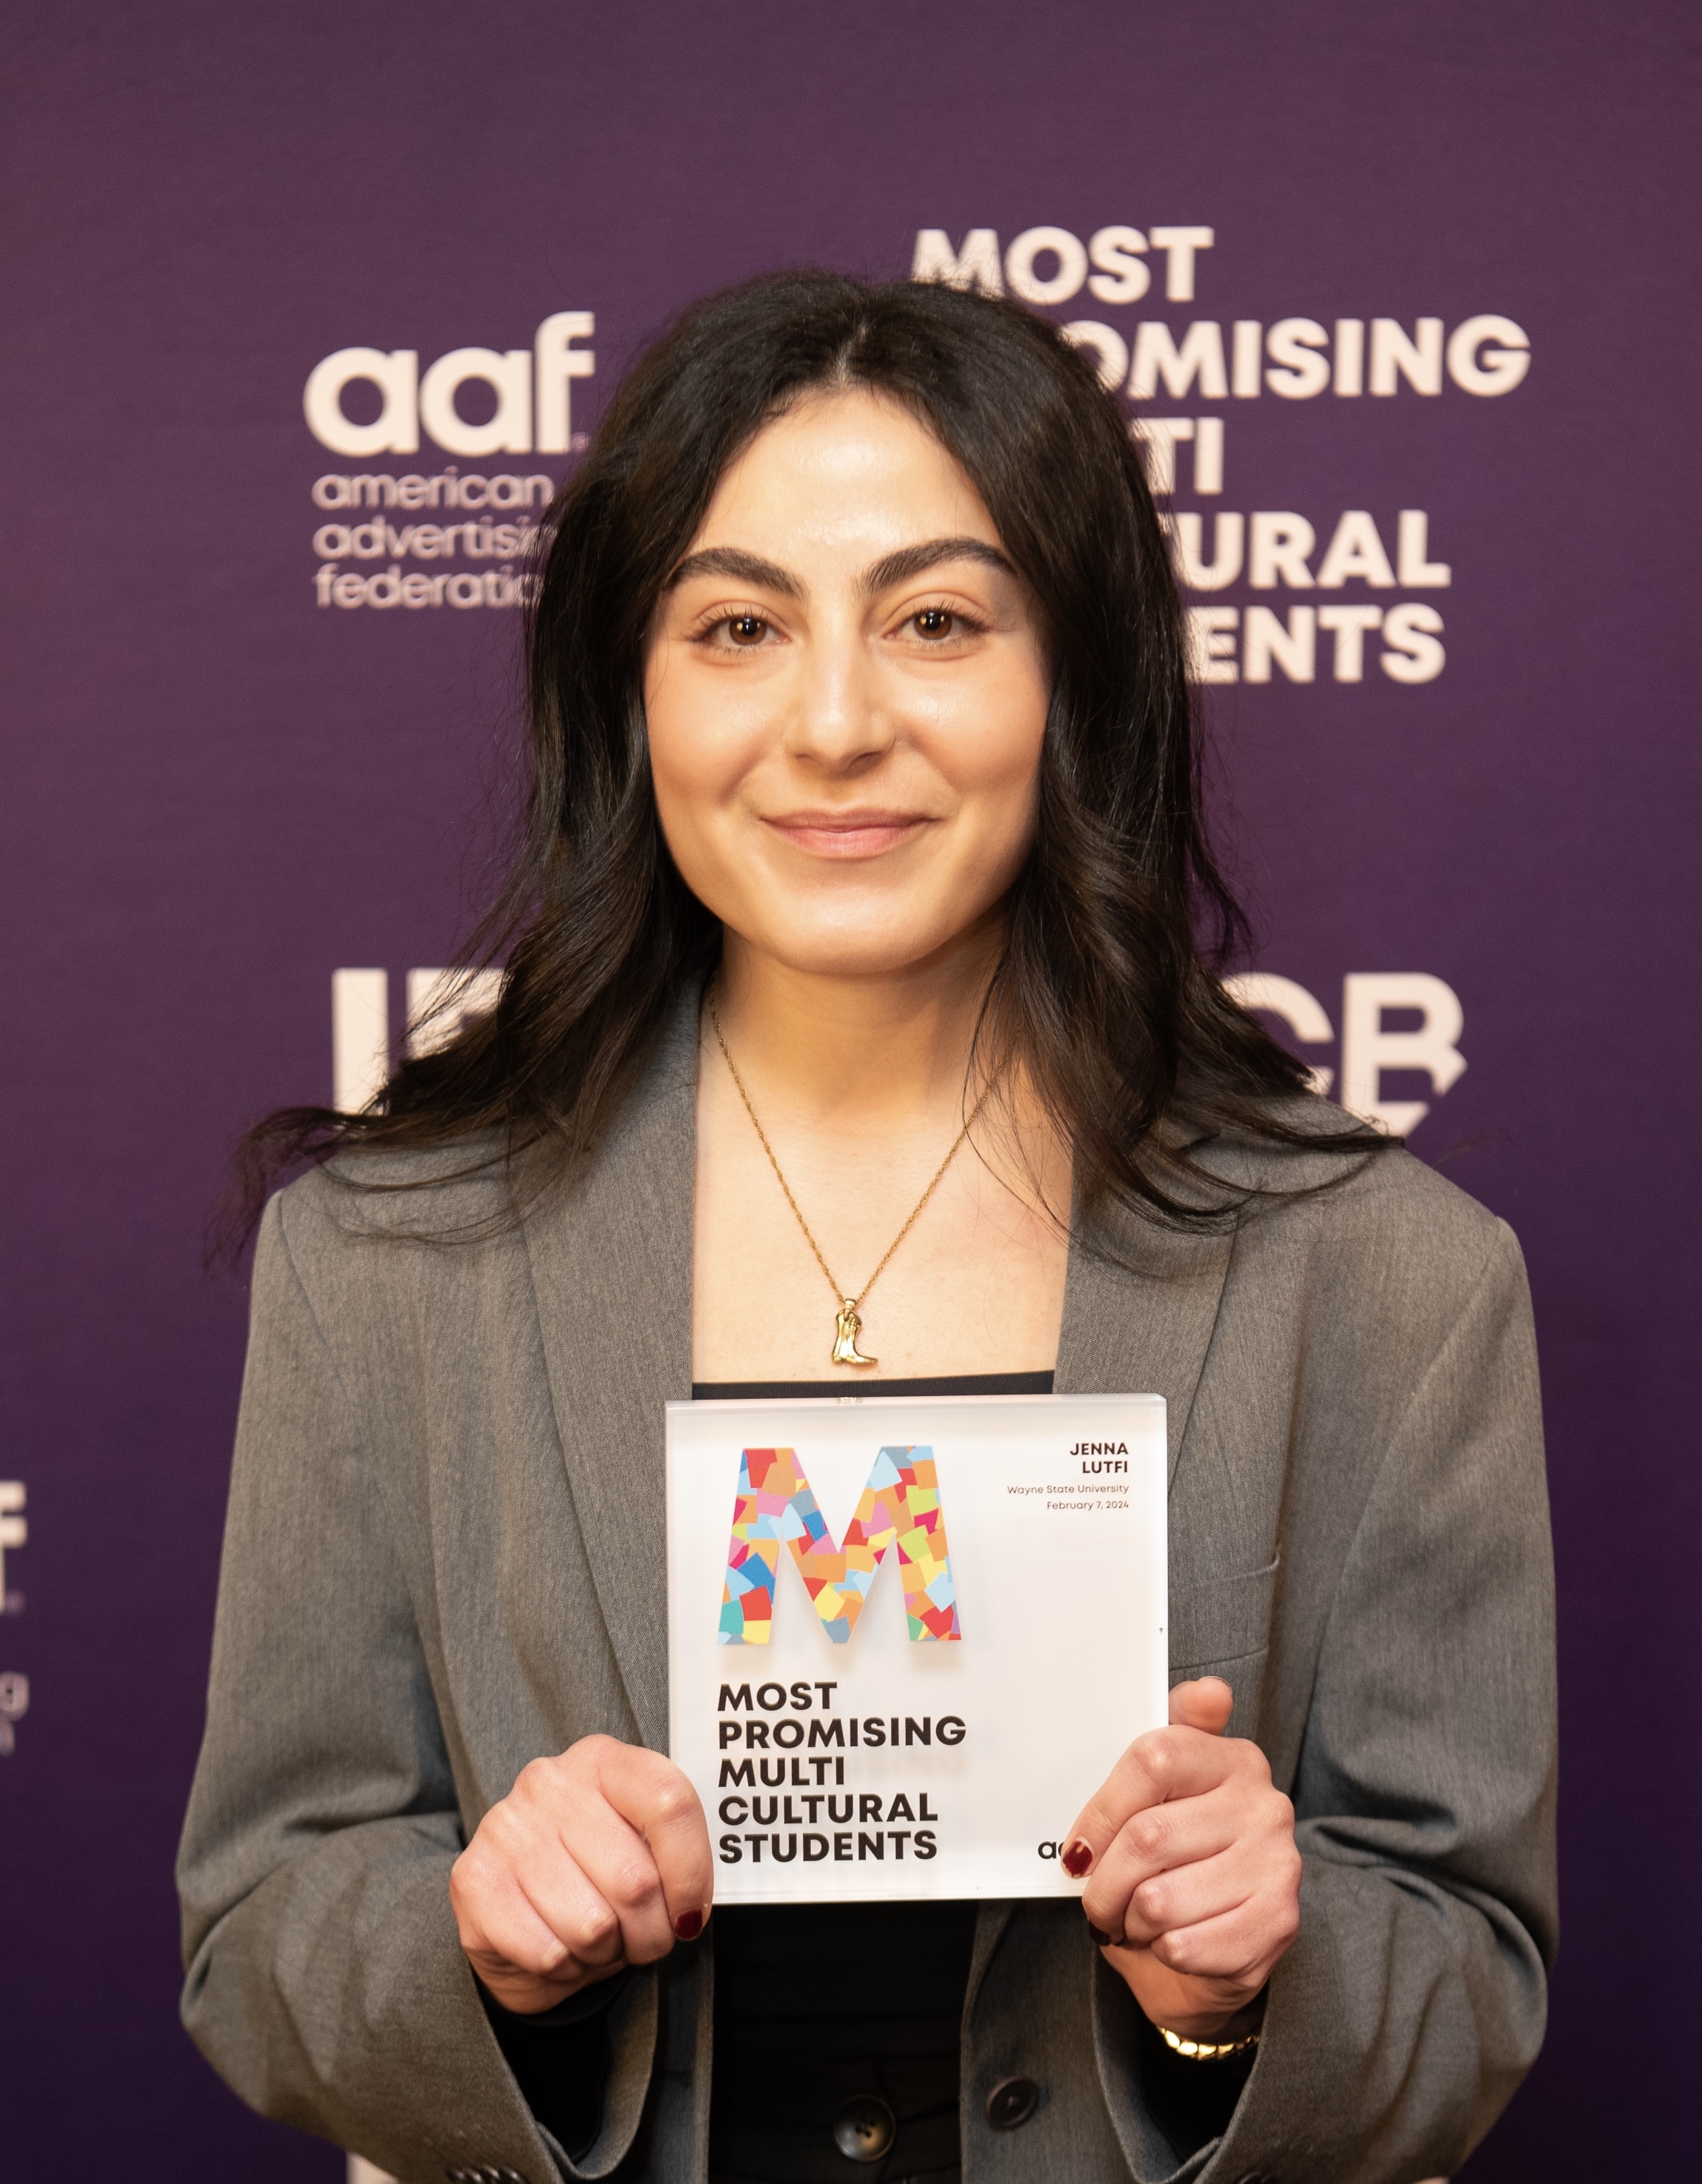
{"type": "Point", "coordinates": [309, 313]}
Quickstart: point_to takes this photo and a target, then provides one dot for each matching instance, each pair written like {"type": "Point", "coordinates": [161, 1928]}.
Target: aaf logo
{"type": "Point", "coordinates": [900, 1504]}
{"type": "Point", "coordinates": [533, 391]}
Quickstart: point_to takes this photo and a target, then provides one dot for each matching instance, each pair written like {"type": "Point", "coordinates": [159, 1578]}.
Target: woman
{"type": "Point", "coordinates": [856, 930]}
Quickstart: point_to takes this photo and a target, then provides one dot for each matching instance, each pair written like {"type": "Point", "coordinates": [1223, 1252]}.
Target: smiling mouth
{"type": "Point", "coordinates": [848, 834]}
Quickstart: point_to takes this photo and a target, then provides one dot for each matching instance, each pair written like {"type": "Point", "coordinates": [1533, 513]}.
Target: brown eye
{"type": "Point", "coordinates": [746, 629]}
{"type": "Point", "coordinates": [934, 621]}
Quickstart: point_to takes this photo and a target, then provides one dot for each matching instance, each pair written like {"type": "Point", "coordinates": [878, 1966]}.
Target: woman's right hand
{"type": "Point", "coordinates": [595, 1859]}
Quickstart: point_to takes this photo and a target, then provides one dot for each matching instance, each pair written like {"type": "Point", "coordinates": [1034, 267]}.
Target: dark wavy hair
{"type": "Point", "coordinates": [1106, 990]}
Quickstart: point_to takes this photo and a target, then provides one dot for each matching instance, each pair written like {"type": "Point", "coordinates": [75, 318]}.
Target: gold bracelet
{"type": "Point", "coordinates": [1205, 2051]}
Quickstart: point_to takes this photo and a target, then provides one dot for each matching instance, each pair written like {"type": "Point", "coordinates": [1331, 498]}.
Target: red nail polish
{"type": "Point", "coordinates": [1102, 1940]}
{"type": "Point", "coordinates": [1076, 1859]}
{"type": "Point", "coordinates": [688, 1925]}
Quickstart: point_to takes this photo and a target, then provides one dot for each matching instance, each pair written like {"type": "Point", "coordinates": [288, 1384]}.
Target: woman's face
{"type": "Point", "coordinates": [847, 689]}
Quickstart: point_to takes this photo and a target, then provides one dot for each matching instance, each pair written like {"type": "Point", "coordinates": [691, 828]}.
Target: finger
{"type": "Point", "coordinates": [525, 1993]}
{"type": "Point", "coordinates": [564, 1896]}
{"type": "Point", "coordinates": [1156, 1841]}
{"type": "Point", "coordinates": [494, 1919]}
{"type": "Point", "coordinates": [1241, 1946]}
{"type": "Point", "coordinates": [1245, 1805]}
{"type": "Point", "coordinates": [655, 1799]}
{"type": "Point", "coordinates": [518, 1872]}
{"type": "Point", "coordinates": [590, 1834]}
{"type": "Point", "coordinates": [1163, 1764]}
{"type": "Point", "coordinates": [555, 1929]}
{"type": "Point", "coordinates": [1206, 1703]}
{"type": "Point", "coordinates": [1208, 1888]}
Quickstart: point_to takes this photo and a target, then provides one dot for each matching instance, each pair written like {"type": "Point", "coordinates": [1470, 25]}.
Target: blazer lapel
{"type": "Point", "coordinates": [612, 1272]}
{"type": "Point", "coordinates": [1142, 1328]}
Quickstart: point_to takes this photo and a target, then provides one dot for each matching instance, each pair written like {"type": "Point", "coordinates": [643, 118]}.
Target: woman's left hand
{"type": "Point", "coordinates": [1194, 1880]}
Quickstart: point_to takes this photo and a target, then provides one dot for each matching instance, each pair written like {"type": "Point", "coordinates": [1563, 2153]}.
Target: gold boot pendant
{"type": "Point", "coordinates": [846, 1328]}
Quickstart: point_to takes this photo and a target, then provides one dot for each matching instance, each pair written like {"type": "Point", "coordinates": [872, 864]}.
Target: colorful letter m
{"type": "Point", "coordinates": [900, 1502]}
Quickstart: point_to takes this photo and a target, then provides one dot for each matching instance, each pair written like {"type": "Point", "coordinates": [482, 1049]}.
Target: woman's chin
{"type": "Point", "coordinates": [837, 952]}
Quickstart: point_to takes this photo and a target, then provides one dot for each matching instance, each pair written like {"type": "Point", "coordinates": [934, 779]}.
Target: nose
{"type": "Point", "coordinates": [841, 721]}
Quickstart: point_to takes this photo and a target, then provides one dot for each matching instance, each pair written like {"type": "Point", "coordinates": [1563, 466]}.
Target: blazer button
{"type": "Point", "coordinates": [864, 2129]}
{"type": "Point", "coordinates": [1011, 2101]}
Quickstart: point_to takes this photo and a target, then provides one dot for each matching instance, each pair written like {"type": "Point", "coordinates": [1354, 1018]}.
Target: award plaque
{"type": "Point", "coordinates": [909, 1637]}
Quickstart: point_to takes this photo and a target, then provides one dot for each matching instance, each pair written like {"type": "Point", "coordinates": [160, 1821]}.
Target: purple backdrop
{"type": "Point", "coordinates": [220, 791]}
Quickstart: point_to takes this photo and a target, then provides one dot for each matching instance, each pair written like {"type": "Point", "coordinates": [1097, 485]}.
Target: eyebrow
{"type": "Point", "coordinates": [734, 561]}
{"type": "Point", "coordinates": [891, 569]}
{"type": "Point", "coordinates": [911, 560]}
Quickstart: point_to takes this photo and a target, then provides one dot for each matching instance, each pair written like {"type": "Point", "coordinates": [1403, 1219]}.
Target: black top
{"type": "Point", "coordinates": [960, 1384]}
{"type": "Point", "coordinates": [831, 2020]}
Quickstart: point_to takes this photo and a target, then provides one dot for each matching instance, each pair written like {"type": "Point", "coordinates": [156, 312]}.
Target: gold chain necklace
{"type": "Point", "coordinates": [847, 1320]}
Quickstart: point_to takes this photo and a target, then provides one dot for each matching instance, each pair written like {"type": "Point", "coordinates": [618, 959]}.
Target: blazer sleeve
{"type": "Point", "coordinates": [326, 1983]}
{"type": "Point", "coordinates": [1413, 2000]}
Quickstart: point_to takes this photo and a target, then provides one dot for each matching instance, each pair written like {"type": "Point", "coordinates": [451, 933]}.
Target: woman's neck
{"type": "Point", "coordinates": [882, 1051]}
{"type": "Point", "coordinates": [859, 1088]}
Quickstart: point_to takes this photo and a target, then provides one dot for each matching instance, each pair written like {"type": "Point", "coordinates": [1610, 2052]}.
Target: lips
{"type": "Point", "coordinates": [848, 834]}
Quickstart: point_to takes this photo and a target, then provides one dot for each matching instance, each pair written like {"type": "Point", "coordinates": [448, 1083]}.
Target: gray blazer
{"type": "Point", "coordinates": [444, 1556]}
